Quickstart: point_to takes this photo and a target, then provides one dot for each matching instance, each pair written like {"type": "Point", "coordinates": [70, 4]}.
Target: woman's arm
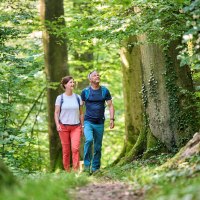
{"type": "Point", "coordinates": [56, 117]}
{"type": "Point", "coordinates": [81, 116]}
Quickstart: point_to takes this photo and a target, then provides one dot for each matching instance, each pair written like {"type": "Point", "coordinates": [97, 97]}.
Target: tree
{"type": "Point", "coordinates": [55, 55]}
{"type": "Point", "coordinates": [166, 113]}
{"type": "Point", "coordinates": [168, 116]}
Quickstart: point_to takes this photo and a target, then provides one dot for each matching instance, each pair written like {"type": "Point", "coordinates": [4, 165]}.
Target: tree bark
{"type": "Point", "coordinates": [55, 54]}
{"type": "Point", "coordinates": [157, 104]}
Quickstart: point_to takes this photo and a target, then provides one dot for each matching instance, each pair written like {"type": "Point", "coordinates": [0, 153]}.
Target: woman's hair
{"type": "Point", "coordinates": [65, 80]}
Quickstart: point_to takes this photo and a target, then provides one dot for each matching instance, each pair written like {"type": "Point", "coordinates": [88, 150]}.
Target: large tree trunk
{"type": "Point", "coordinates": [169, 114]}
{"type": "Point", "coordinates": [55, 54]}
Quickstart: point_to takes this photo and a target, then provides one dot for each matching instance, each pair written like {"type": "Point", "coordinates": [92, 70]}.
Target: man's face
{"type": "Point", "coordinates": [94, 77]}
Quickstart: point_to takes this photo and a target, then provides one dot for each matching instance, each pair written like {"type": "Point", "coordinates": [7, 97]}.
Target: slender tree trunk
{"type": "Point", "coordinates": [86, 57]}
{"type": "Point", "coordinates": [55, 54]}
{"type": "Point", "coordinates": [84, 60]}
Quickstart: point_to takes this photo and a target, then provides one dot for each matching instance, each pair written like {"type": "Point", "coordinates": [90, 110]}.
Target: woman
{"type": "Point", "coordinates": [69, 122]}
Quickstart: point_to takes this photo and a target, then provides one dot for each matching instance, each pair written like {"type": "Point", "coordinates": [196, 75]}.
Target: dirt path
{"type": "Point", "coordinates": [107, 191]}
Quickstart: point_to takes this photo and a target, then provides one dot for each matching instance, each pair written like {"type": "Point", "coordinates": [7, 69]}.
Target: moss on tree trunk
{"type": "Point", "coordinates": [192, 148]}
{"type": "Point", "coordinates": [132, 76]}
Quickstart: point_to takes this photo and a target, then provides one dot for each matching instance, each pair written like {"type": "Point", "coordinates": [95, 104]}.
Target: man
{"type": "Point", "coordinates": [94, 98]}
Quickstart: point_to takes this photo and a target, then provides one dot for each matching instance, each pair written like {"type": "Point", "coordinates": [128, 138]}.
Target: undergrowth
{"type": "Point", "coordinates": [180, 182]}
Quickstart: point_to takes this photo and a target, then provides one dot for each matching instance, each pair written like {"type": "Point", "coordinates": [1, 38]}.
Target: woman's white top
{"type": "Point", "coordinates": [70, 113]}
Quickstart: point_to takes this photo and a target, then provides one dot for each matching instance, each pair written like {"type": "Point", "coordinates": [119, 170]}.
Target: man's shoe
{"type": "Point", "coordinates": [86, 172]}
{"type": "Point", "coordinates": [94, 172]}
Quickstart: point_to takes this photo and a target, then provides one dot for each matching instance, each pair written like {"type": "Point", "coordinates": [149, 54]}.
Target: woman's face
{"type": "Point", "coordinates": [70, 84]}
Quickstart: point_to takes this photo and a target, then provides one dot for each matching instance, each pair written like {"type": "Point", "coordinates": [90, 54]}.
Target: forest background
{"type": "Point", "coordinates": [95, 33]}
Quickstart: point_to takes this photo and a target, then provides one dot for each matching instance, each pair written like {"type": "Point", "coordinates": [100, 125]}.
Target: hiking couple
{"type": "Point", "coordinates": [71, 123]}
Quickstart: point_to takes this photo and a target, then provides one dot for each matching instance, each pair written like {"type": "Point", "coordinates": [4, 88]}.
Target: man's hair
{"type": "Point", "coordinates": [89, 75]}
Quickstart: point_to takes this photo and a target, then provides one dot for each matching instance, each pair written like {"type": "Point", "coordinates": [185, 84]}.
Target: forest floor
{"type": "Point", "coordinates": [165, 176]}
{"type": "Point", "coordinates": [107, 190]}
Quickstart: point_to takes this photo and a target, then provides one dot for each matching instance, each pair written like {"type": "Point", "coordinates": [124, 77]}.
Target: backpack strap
{"type": "Point", "coordinates": [104, 91]}
{"type": "Point", "coordinates": [87, 92]}
{"type": "Point", "coordinates": [78, 100]}
{"type": "Point", "coordinates": [61, 102]}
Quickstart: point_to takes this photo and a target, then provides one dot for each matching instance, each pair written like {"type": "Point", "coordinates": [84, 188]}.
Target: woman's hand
{"type": "Point", "coordinates": [58, 127]}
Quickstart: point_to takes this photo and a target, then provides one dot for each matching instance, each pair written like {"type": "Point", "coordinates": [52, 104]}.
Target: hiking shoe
{"type": "Point", "coordinates": [94, 172]}
{"type": "Point", "coordinates": [86, 172]}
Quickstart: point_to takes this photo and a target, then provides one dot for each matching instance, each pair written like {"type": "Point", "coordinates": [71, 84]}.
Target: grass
{"type": "Point", "coordinates": [182, 188]}
{"type": "Point", "coordinates": [52, 186]}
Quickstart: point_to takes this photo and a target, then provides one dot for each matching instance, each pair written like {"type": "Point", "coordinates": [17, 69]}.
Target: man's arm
{"type": "Point", "coordinates": [112, 113]}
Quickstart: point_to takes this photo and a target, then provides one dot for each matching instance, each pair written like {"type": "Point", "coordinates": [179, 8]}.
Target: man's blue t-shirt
{"type": "Point", "coordinates": [95, 105]}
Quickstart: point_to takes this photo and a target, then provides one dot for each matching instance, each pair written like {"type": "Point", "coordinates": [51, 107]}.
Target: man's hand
{"type": "Point", "coordinates": [112, 124]}
{"type": "Point", "coordinates": [112, 112]}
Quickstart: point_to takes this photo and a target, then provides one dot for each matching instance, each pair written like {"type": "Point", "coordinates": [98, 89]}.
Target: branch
{"type": "Point", "coordinates": [32, 107]}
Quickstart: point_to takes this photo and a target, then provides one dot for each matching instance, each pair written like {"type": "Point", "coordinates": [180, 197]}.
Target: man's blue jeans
{"type": "Point", "coordinates": [93, 132]}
